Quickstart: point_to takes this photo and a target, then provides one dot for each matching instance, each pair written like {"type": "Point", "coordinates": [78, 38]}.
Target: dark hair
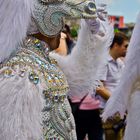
{"type": "Point", "coordinates": [119, 38]}
{"type": "Point", "coordinates": [66, 29]}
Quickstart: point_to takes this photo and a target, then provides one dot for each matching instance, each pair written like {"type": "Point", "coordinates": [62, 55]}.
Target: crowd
{"type": "Point", "coordinates": [87, 118]}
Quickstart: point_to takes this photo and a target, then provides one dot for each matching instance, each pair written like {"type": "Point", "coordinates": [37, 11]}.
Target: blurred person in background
{"type": "Point", "coordinates": [67, 43]}
{"type": "Point", "coordinates": [110, 79]}
{"type": "Point", "coordinates": [63, 48]}
{"type": "Point", "coordinates": [85, 106]}
{"type": "Point", "coordinates": [126, 96]}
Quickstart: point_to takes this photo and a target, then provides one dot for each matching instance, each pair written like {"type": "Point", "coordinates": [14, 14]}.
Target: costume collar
{"type": "Point", "coordinates": [39, 47]}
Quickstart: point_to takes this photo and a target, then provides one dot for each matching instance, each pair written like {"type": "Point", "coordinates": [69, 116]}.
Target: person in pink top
{"type": "Point", "coordinates": [85, 106]}
{"type": "Point", "coordinates": [87, 118]}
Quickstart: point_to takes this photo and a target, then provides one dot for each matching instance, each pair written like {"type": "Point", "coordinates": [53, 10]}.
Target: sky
{"type": "Point", "coordinates": [127, 8]}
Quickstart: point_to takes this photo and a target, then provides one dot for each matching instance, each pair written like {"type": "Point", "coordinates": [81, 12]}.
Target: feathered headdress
{"type": "Point", "coordinates": [15, 16]}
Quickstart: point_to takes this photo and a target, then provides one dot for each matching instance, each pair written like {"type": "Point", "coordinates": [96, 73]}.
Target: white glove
{"type": "Point", "coordinates": [101, 11]}
{"type": "Point", "coordinates": [94, 25]}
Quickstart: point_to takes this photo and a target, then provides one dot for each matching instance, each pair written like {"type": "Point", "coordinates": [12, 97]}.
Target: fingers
{"type": "Point", "coordinates": [101, 11]}
{"type": "Point", "coordinates": [94, 25]}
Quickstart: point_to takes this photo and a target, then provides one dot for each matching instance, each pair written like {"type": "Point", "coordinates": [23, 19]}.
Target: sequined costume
{"type": "Point", "coordinates": [32, 63]}
{"type": "Point", "coordinates": [33, 89]}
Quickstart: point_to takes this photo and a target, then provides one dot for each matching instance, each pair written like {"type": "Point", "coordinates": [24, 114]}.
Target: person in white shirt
{"type": "Point", "coordinates": [110, 77]}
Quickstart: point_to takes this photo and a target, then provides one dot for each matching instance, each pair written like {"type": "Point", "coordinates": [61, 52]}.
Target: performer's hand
{"type": "Point", "coordinates": [102, 15]}
{"type": "Point", "coordinates": [101, 12]}
{"type": "Point", "coordinates": [94, 25]}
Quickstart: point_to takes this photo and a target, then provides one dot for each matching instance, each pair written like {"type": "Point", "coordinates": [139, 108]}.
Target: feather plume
{"type": "Point", "coordinates": [14, 20]}
{"type": "Point", "coordinates": [20, 108]}
{"type": "Point", "coordinates": [129, 82]}
{"type": "Point", "coordinates": [82, 67]}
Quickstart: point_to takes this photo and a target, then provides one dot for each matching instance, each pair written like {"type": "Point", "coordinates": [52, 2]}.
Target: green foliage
{"type": "Point", "coordinates": [116, 30]}
{"type": "Point", "coordinates": [74, 31]}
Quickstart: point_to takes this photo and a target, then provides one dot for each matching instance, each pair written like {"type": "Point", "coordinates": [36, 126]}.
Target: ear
{"type": "Point", "coordinates": [115, 45]}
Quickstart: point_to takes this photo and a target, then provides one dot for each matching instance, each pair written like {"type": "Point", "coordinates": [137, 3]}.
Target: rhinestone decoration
{"type": "Point", "coordinates": [50, 1]}
{"type": "Point", "coordinates": [33, 77]}
{"type": "Point", "coordinates": [7, 73]}
{"type": "Point", "coordinates": [49, 14]}
{"type": "Point", "coordinates": [31, 60]}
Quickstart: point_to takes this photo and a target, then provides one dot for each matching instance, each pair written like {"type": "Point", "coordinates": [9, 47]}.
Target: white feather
{"type": "Point", "coordinates": [120, 101]}
{"type": "Point", "coordinates": [14, 20]}
{"type": "Point", "coordinates": [20, 108]}
{"type": "Point", "coordinates": [82, 66]}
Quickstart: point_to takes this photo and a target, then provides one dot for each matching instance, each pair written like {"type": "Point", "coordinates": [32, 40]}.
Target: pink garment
{"type": "Point", "coordinates": [89, 103]}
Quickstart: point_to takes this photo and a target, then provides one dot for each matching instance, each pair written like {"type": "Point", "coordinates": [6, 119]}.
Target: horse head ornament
{"type": "Point", "coordinates": [49, 14]}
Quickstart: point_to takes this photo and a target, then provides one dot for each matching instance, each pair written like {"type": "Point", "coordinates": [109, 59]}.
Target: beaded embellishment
{"type": "Point", "coordinates": [33, 59]}
{"type": "Point", "coordinates": [49, 14]}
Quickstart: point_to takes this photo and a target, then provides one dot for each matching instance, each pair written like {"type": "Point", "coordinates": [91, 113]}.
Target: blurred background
{"type": "Point", "coordinates": [122, 14]}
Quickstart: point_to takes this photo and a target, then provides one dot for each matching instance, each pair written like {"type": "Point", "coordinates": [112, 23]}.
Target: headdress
{"type": "Point", "coordinates": [15, 18]}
